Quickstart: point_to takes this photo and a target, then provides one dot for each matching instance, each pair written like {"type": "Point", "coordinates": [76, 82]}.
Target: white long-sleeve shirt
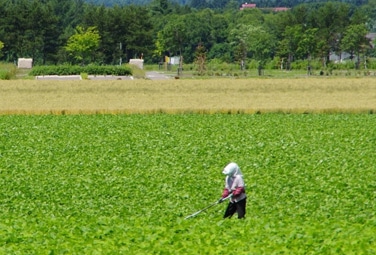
{"type": "Point", "coordinates": [235, 184]}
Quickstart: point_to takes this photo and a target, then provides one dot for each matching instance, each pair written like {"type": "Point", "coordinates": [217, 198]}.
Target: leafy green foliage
{"type": "Point", "coordinates": [45, 30]}
{"type": "Point", "coordinates": [355, 40]}
{"type": "Point", "coordinates": [4, 75]}
{"type": "Point", "coordinates": [75, 70]}
{"type": "Point", "coordinates": [7, 71]}
{"type": "Point", "coordinates": [126, 32]}
{"type": "Point", "coordinates": [83, 43]}
{"type": "Point", "coordinates": [122, 184]}
{"type": "Point", "coordinates": [1, 47]}
{"type": "Point", "coordinates": [215, 4]}
{"type": "Point", "coordinates": [28, 29]}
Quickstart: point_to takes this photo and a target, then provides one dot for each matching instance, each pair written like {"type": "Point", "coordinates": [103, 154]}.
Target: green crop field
{"type": "Point", "coordinates": [123, 184]}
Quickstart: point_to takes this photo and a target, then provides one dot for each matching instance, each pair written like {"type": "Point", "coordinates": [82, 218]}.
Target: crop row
{"type": "Point", "coordinates": [123, 184]}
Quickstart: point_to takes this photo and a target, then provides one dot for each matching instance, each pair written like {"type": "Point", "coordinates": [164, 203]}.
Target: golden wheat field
{"type": "Point", "coordinates": [311, 95]}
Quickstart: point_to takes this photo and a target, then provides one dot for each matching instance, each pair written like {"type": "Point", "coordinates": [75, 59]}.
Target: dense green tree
{"type": "Point", "coordinates": [308, 43]}
{"type": "Point", "coordinates": [361, 16]}
{"type": "Point", "coordinates": [355, 41]}
{"type": "Point", "coordinates": [184, 33]}
{"type": "Point", "coordinates": [302, 15]}
{"type": "Point", "coordinates": [253, 41]}
{"type": "Point", "coordinates": [41, 28]}
{"type": "Point", "coordinates": [276, 23]}
{"type": "Point", "coordinates": [45, 32]}
{"type": "Point", "coordinates": [297, 43]}
{"type": "Point", "coordinates": [173, 37]}
{"type": "Point", "coordinates": [159, 48]}
{"type": "Point", "coordinates": [231, 7]}
{"type": "Point", "coordinates": [1, 48]}
{"type": "Point", "coordinates": [218, 4]}
{"type": "Point", "coordinates": [261, 43]}
{"type": "Point", "coordinates": [161, 7]}
{"type": "Point", "coordinates": [83, 44]}
{"type": "Point", "coordinates": [205, 27]}
{"type": "Point", "coordinates": [69, 13]}
{"type": "Point", "coordinates": [199, 4]}
{"type": "Point", "coordinates": [213, 4]}
{"type": "Point", "coordinates": [221, 51]}
{"type": "Point", "coordinates": [292, 3]}
{"type": "Point", "coordinates": [369, 10]}
{"type": "Point", "coordinates": [159, 18]}
{"type": "Point", "coordinates": [331, 19]}
{"type": "Point", "coordinates": [219, 47]}
{"type": "Point", "coordinates": [112, 29]}
{"type": "Point", "coordinates": [199, 30]}
{"type": "Point", "coordinates": [126, 31]}
{"type": "Point", "coordinates": [253, 17]}
{"type": "Point", "coordinates": [288, 46]}
{"type": "Point", "coordinates": [238, 39]}
{"type": "Point", "coordinates": [28, 29]}
{"type": "Point", "coordinates": [139, 34]}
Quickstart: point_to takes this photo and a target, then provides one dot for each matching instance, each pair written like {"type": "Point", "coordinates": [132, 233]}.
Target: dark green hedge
{"type": "Point", "coordinates": [77, 70]}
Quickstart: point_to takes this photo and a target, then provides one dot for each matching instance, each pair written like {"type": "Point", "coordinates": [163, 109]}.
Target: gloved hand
{"type": "Point", "coordinates": [220, 200]}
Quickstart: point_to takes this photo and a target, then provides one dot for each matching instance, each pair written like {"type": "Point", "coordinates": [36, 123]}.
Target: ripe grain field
{"type": "Point", "coordinates": [315, 95]}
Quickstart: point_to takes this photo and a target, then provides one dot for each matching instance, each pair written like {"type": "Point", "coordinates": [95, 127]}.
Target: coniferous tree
{"type": "Point", "coordinates": [29, 29]}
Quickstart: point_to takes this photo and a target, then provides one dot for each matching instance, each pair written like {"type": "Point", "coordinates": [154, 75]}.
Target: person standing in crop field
{"type": "Point", "coordinates": [234, 187]}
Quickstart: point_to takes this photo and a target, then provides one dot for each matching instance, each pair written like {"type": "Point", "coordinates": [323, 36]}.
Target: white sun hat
{"type": "Point", "coordinates": [232, 169]}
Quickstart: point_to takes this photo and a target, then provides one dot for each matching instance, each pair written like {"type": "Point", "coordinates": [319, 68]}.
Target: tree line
{"type": "Point", "coordinates": [220, 4]}
{"type": "Point", "coordinates": [73, 31]}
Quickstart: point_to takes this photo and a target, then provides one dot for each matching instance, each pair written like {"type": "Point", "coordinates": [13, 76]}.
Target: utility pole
{"type": "Point", "coordinates": [120, 47]}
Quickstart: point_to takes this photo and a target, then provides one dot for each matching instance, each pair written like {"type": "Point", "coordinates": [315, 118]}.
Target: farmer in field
{"type": "Point", "coordinates": [234, 187]}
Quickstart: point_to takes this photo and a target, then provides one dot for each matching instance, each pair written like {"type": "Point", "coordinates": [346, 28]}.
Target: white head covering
{"type": "Point", "coordinates": [232, 169]}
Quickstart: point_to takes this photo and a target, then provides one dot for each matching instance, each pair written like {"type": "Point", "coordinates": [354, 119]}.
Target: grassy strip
{"type": "Point", "coordinates": [233, 71]}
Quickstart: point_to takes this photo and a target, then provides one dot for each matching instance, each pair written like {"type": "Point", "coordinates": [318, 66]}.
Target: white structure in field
{"type": "Point", "coordinates": [26, 63]}
{"type": "Point", "coordinates": [137, 62]}
{"type": "Point", "coordinates": [175, 60]}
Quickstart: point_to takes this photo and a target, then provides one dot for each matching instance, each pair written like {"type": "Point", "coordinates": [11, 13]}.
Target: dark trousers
{"type": "Point", "coordinates": [238, 207]}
